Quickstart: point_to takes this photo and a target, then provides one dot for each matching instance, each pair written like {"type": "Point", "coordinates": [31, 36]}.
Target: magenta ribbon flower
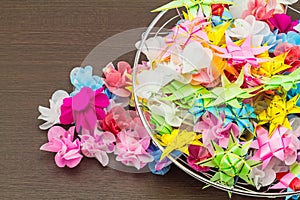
{"type": "Point", "coordinates": [61, 142]}
{"type": "Point", "coordinates": [197, 154]}
{"type": "Point", "coordinates": [85, 108]}
{"type": "Point", "coordinates": [281, 145]}
{"type": "Point", "coordinates": [283, 22]}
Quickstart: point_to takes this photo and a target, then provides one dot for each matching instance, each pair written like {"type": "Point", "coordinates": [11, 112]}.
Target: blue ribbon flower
{"type": "Point", "coordinates": [160, 167]}
{"type": "Point", "coordinates": [83, 77]}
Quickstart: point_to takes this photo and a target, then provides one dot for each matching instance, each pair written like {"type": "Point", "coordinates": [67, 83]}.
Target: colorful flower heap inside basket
{"type": "Point", "coordinates": [221, 91]}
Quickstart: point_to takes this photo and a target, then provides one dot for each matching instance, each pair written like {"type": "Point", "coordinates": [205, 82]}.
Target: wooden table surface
{"type": "Point", "coordinates": [40, 42]}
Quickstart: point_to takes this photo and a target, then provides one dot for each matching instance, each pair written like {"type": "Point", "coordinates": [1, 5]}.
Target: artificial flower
{"type": "Point", "coordinates": [115, 120]}
{"type": "Point", "coordinates": [177, 91]}
{"type": "Point", "coordinates": [168, 110]}
{"type": "Point", "coordinates": [292, 53]}
{"type": "Point", "coordinates": [213, 129]}
{"type": "Point", "coordinates": [288, 180]}
{"type": "Point", "coordinates": [195, 57]}
{"type": "Point", "coordinates": [51, 115]}
{"type": "Point", "coordinates": [85, 108]}
{"type": "Point", "coordinates": [231, 162]}
{"type": "Point", "coordinates": [200, 107]}
{"type": "Point", "coordinates": [61, 142]}
{"type": "Point", "coordinates": [219, 20]}
{"type": "Point", "coordinates": [118, 80]}
{"type": "Point", "coordinates": [131, 147]}
{"type": "Point", "coordinates": [160, 167]}
{"type": "Point", "coordinates": [189, 31]}
{"type": "Point", "coordinates": [282, 145]}
{"type": "Point", "coordinates": [151, 81]}
{"type": "Point", "coordinates": [193, 5]}
{"type": "Point", "coordinates": [261, 9]}
{"type": "Point", "coordinates": [153, 48]}
{"type": "Point", "coordinates": [275, 65]}
{"type": "Point", "coordinates": [241, 54]}
{"type": "Point", "coordinates": [241, 116]}
{"type": "Point", "coordinates": [229, 93]}
{"type": "Point", "coordinates": [249, 26]}
{"type": "Point", "coordinates": [178, 140]}
{"type": "Point", "coordinates": [238, 8]}
{"type": "Point", "coordinates": [160, 125]}
{"type": "Point", "coordinates": [197, 154]}
{"type": "Point", "coordinates": [218, 9]}
{"type": "Point", "coordinates": [98, 145]}
{"type": "Point", "coordinates": [284, 81]}
{"type": "Point", "coordinates": [273, 39]}
{"type": "Point", "coordinates": [283, 23]}
{"type": "Point", "coordinates": [83, 77]}
{"type": "Point", "coordinates": [293, 38]}
{"type": "Point", "coordinates": [262, 177]}
{"type": "Point", "coordinates": [294, 92]}
{"type": "Point", "coordinates": [277, 112]}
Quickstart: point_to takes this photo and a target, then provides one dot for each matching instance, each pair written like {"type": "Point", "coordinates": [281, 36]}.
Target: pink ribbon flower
{"type": "Point", "coordinates": [282, 145]}
{"type": "Point", "coordinates": [85, 108]}
{"type": "Point", "coordinates": [118, 80]}
{"type": "Point", "coordinates": [292, 54]}
{"type": "Point", "coordinates": [61, 142]}
{"type": "Point", "coordinates": [212, 129]}
{"type": "Point", "coordinates": [261, 9]}
{"type": "Point", "coordinates": [131, 147]}
{"type": "Point", "coordinates": [98, 145]}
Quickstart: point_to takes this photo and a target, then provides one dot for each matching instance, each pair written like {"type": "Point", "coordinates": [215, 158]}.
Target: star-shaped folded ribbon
{"type": "Point", "coordinates": [272, 67]}
{"type": "Point", "coordinates": [289, 180]}
{"type": "Point", "coordinates": [277, 112]}
{"type": "Point", "coordinates": [161, 126]}
{"type": "Point", "coordinates": [200, 106]}
{"type": "Point", "coordinates": [216, 34]}
{"type": "Point", "coordinates": [231, 162]}
{"type": "Point", "coordinates": [230, 93]}
{"type": "Point", "coordinates": [178, 140]}
{"type": "Point", "coordinates": [287, 82]}
{"type": "Point", "coordinates": [241, 54]}
{"type": "Point", "coordinates": [241, 116]}
{"type": "Point", "coordinates": [190, 30]}
{"type": "Point", "coordinates": [193, 5]}
{"type": "Point", "coordinates": [178, 91]}
{"type": "Point", "coordinates": [277, 146]}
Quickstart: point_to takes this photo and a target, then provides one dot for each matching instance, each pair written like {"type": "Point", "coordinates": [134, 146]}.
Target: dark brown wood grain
{"type": "Point", "coordinates": [40, 42]}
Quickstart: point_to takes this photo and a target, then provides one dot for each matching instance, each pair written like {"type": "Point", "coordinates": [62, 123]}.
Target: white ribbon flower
{"type": "Point", "coordinates": [152, 80]}
{"type": "Point", "coordinates": [167, 110]}
{"type": "Point", "coordinates": [51, 115]}
{"type": "Point", "coordinates": [238, 7]}
{"type": "Point", "coordinates": [250, 27]}
{"type": "Point", "coordinates": [152, 47]}
{"type": "Point", "coordinates": [195, 57]}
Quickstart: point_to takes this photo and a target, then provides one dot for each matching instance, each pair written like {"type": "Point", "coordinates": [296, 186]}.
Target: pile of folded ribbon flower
{"type": "Point", "coordinates": [221, 90]}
